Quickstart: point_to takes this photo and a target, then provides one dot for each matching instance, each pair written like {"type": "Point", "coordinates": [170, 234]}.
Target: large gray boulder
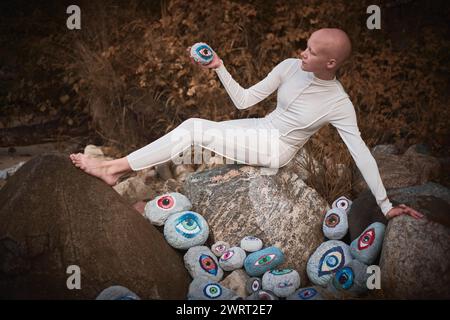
{"type": "Point", "coordinates": [280, 209]}
{"type": "Point", "coordinates": [414, 167]}
{"type": "Point", "coordinates": [53, 215]}
{"type": "Point", "coordinates": [415, 258]}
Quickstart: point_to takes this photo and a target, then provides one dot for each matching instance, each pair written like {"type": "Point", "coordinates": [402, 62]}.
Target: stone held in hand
{"type": "Point", "coordinates": [186, 229]}
{"type": "Point", "coordinates": [202, 53]}
{"type": "Point", "coordinates": [219, 248]}
{"type": "Point", "coordinates": [281, 282]}
{"type": "Point", "coordinates": [328, 258]}
{"type": "Point", "coordinates": [202, 288]}
{"type": "Point", "coordinates": [342, 203]}
{"type": "Point", "coordinates": [251, 244]}
{"type": "Point", "coordinates": [367, 246]}
{"type": "Point", "coordinates": [232, 259]}
{"type": "Point", "coordinates": [308, 293]}
{"type": "Point", "coordinates": [257, 263]}
{"type": "Point", "coordinates": [200, 261]}
{"type": "Point", "coordinates": [253, 285]}
{"type": "Point", "coordinates": [160, 208]}
{"type": "Point", "coordinates": [335, 224]}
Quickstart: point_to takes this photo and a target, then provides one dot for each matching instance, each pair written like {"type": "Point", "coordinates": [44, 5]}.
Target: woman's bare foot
{"type": "Point", "coordinates": [101, 169]}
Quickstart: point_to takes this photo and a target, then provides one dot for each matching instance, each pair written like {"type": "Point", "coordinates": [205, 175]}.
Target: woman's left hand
{"type": "Point", "coordinates": [403, 209]}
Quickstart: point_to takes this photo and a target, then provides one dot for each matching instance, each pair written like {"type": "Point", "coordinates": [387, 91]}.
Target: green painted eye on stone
{"type": "Point", "coordinates": [281, 272]}
{"type": "Point", "coordinates": [212, 291]}
{"type": "Point", "coordinates": [265, 259]}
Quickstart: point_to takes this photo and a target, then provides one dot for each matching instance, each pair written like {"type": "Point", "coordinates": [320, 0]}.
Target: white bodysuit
{"type": "Point", "coordinates": [305, 103]}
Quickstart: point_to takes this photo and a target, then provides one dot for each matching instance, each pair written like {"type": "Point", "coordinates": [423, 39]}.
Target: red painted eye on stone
{"type": "Point", "coordinates": [366, 239]}
{"type": "Point", "coordinates": [166, 202]}
{"type": "Point", "coordinates": [332, 220]}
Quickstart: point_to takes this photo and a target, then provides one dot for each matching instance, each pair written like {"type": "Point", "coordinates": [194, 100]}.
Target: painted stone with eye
{"type": "Point", "coordinates": [328, 258]}
{"type": "Point", "coordinates": [160, 208]}
{"type": "Point", "coordinates": [262, 295]}
{"type": "Point", "coordinates": [117, 293]}
{"type": "Point", "coordinates": [257, 263]}
{"type": "Point", "coordinates": [186, 229]}
{"type": "Point", "coordinates": [201, 52]}
{"type": "Point", "coordinates": [367, 246]}
{"type": "Point", "coordinates": [281, 282]}
{"type": "Point", "coordinates": [219, 248]}
{"type": "Point", "coordinates": [335, 224]}
{"type": "Point", "coordinates": [232, 259]}
{"type": "Point", "coordinates": [253, 285]}
{"type": "Point", "coordinates": [342, 203]}
{"type": "Point", "coordinates": [251, 244]}
{"type": "Point", "coordinates": [308, 293]}
{"type": "Point", "coordinates": [202, 288]}
{"type": "Point", "coordinates": [352, 278]}
{"type": "Point", "coordinates": [200, 261]}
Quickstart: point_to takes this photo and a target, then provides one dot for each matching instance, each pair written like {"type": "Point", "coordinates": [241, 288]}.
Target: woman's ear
{"type": "Point", "coordinates": [331, 64]}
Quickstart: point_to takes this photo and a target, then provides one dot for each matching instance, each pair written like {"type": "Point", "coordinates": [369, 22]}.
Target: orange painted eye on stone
{"type": "Point", "coordinates": [166, 202]}
{"type": "Point", "coordinates": [366, 239]}
{"type": "Point", "coordinates": [208, 264]}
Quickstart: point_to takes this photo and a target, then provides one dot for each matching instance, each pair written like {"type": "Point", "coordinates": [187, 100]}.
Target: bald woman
{"type": "Point", "coordinates": [308, 97]}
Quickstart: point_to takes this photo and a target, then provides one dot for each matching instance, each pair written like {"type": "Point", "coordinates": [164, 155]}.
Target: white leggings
{"type": "Point", "coordinates": [252, 141]}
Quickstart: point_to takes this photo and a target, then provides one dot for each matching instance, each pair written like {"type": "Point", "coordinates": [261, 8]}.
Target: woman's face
{"type": "Point", "coordinates": [313, 58]}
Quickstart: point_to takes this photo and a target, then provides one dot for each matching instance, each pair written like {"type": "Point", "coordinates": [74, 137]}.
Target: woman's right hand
{"type": "Point", "coordinates": [215, 63]}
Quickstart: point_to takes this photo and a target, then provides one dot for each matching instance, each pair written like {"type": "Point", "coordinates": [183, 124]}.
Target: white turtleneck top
{"type": "Point", "coordinates": [306, 103]}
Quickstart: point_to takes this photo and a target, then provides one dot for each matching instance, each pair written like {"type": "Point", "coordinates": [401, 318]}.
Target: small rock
{"type": "Point", "coordinates": [262, 295]}
{"type": "Point", "coordinates": [367, 246]}
{"type": "Point", "coordinates": [232, 259]}
{"type": "Point", "coordinates": [186, 229]}
{"type": "Point", "coordinates": [253, 285]}
{"type": "Point", "coordinates": [342, 203]}
{"type": "Point", "coordinates": [282, 283]}
{"type": "Point", "coordinates": [236, 281]}
{"type": "Point", "coordinates": [328, 258]}
{"type": "Point", "coordinates": [117, 293]}
{"type": "Point", "coordinates": [308, 293]}
{"type": "Point", "coordinates": [160, 208]}
{"type": "Point", "coordinates": [219, 248]}
{"type": "Point", "coordinates": [335, 224]}
{"type": "Point", "coordinates": [257, 263]}
{"type": "Point", "coordinates": [204, 289]}
{"type": "Point", "coordinates": [351, 279]}
{"type": "Point", "coordinates": [200, 261]}
{"type": "Point", "coordinates": [251, 244]}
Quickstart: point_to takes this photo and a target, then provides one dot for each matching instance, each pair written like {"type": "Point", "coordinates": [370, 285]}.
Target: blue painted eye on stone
{"type": "Point", "coordinates": [204, 51]}
{"type": "Point", "coordinates": [212, 290]}
{"type": "Point", "coordinates": [307, 293]}
{"type": "Point", "coordinates": [280, 272]}
{"type": "Point", "coordinates": [332, 260]}
{"type": "Point", "coordinates": [343, 279]}
{"type": "Point", "coordinates": [188, 225]}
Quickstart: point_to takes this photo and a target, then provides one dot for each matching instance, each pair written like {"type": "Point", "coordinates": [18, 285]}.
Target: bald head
{"type": "Point", "coordinates": [333, 43]}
